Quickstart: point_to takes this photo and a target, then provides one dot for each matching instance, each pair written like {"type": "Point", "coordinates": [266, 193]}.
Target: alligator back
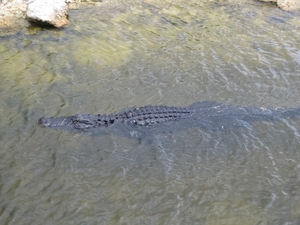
{"type": "Point", "coordinates": [152, 115]}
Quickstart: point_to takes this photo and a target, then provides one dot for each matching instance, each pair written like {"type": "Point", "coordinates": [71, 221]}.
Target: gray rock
{"type": "Point", "coordinates": [49, 13]}
{"type": "Point", "coordinates": [287, 5]}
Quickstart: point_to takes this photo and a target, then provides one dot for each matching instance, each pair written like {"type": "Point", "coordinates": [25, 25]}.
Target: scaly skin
{"type": "Point", "coordinates": [140, 116]}
{"type": "Point", "coordinates": [209, 115]}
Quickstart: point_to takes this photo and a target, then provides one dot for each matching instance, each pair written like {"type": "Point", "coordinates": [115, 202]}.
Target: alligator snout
{"type": "Point", "coordinates": [43, 122]}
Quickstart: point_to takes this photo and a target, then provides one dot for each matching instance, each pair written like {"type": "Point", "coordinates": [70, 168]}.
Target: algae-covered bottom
{"type": "Point", "coordinates": [139, 53]}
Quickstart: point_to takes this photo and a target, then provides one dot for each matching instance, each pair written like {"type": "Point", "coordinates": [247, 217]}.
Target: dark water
{"type": "Point", "coordinates": [131, 54]}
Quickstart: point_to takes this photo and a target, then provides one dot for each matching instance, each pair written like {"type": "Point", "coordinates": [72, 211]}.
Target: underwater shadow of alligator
{"type": "Point", "coordinates": [137, 121]}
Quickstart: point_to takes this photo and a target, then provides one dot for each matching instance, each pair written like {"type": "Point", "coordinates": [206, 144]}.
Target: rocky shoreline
{"type": "Point", "coordinates": [45, 13]}
{"type": "Point", "coordinates": [287, 5]}
{"type": "Point", "coordinates": [55, 12]}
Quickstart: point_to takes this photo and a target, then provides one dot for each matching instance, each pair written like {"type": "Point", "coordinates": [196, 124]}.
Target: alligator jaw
{"type": "Point", "coordinates": [55, 122]}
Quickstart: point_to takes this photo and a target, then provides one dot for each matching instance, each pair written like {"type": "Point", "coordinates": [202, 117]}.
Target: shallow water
{"type": "Point", "coordinates": [131, 54]}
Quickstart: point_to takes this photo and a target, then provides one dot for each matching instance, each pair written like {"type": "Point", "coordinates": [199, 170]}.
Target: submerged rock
{"type": "Point", "coordinates": [49, 13]}
{"type": "Point", "coordinates": [287, 5]}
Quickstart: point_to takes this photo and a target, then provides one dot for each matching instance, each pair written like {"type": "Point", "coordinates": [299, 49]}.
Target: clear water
{"type": "Point", "coordinates": [151, 52]}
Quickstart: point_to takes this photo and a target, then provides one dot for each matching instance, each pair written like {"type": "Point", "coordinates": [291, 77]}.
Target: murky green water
{"type": "Point", "coordinates": [171, 53]}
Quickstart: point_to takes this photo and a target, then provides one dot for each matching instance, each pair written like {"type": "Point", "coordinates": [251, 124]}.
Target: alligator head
{"type": "Point", "coordinates": [79, 121]}
{"type": "Point", "coordinates": [56, 122]}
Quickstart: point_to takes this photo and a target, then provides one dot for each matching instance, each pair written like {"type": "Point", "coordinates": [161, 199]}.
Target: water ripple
{"type": "Point", "coordinates": [155, 52]}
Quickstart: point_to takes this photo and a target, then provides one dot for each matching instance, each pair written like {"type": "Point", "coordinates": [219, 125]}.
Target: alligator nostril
{"type": "Point", "coordinates": [41, 122]}
{"type": "Point", "coordinates": [44, 122]}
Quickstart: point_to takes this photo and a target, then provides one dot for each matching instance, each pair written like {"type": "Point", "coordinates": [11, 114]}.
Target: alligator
{"type": "Point", "coordinates": [155, 119]}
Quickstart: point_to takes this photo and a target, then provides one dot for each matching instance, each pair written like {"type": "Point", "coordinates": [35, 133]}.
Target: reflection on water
{"type": "Point", "coordinates": [133, 54]}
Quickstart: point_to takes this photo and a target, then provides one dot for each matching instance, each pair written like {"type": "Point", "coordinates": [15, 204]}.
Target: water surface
{"type": "Point", "coordinates": [131, 54]}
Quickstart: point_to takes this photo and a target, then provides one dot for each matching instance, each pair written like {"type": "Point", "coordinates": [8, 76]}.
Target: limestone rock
{"type": "Point", "coordinates": [289, 5]}
{"type": "Point", "coordinates": [51, 12]}
{"type": "Point", "coordinates": [15, 8]}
